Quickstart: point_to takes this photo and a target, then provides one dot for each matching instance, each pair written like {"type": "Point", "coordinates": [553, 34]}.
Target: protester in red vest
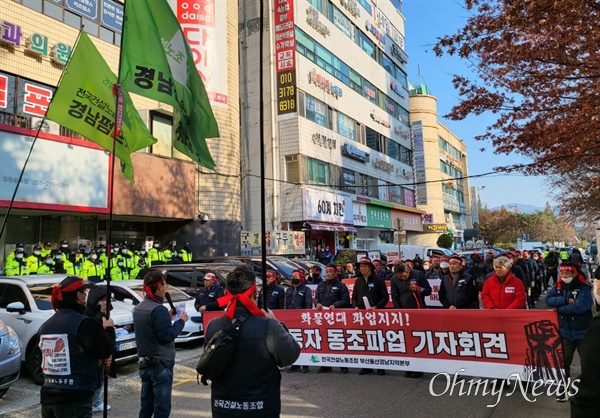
{"type": "Point", "coordinates": [503, 290]}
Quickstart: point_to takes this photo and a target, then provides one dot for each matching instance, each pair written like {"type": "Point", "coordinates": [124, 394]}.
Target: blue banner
{"type": "Point", "coordinates": [112, 15]}
{"type": "Point", "coordinates": [87, 8]}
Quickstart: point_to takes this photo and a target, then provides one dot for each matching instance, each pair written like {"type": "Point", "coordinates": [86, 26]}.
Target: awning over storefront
{"type": "Point", "coordinates": [318, 226]}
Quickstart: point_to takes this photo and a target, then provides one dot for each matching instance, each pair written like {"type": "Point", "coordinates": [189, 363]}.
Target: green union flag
{"type": "Point", "coordinates": [157, 63]}
{"type": "Point", "coordinates": [84, 103]}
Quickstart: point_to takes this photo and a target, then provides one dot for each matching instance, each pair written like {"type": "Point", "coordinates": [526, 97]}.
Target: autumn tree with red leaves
{"type": "Point", "coordinates": [538, 64]}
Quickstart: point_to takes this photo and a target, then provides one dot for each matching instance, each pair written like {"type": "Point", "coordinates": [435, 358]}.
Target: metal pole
{"type": "Point", "coordinates": [263, 221]}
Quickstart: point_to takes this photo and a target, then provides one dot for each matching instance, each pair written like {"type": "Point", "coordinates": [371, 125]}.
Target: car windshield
{"type": "Point", "coordinates": [42, 294]}
{"type": "Point", "coordinates": [286, 266]}
{"type": "Point", "coordinates": [176, 295]}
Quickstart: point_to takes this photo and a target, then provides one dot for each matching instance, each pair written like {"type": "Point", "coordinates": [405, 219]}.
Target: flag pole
{"type": "Point", "coordinates": [118, 93]}
{"type": "Point", "coordinates": [263, 222]}
{"type": "Point", "coordinates": [14, 195]}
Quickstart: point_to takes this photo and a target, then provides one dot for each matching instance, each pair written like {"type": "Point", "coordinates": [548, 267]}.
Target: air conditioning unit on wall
{"type": "Point", "coordinates": [47, 126]}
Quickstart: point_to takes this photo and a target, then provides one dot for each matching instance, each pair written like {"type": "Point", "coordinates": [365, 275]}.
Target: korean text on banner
{"type": "Point", "coordinates": [495, 344]}
{"type": "Point", "coordinates": [204, 24]}
{"type": "Point", "coordinates": [84, 103]}
{"type": "Point", "coordinates": [162, 68]}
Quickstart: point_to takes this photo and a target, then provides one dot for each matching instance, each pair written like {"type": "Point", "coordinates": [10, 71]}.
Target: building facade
{"type": "Point", "coordinates": [441, 167]}
{"type": "Point", "coordinates": [64, 193]}
{"type": "Point", "coordinates": [338, 147]}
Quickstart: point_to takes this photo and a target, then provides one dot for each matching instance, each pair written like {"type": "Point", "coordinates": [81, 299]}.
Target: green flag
{"type": "Point", "coordinates": [157, 63]}
{"type": "Point", "coordinates": [84, 103]}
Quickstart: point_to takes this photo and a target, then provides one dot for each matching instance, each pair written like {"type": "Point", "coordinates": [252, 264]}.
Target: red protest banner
{"type": "Point", "coordinates": [495, 343]}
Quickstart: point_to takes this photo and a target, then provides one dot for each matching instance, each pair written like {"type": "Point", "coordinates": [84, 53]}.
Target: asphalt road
{"type": "Point", "coordinates": [313, 395]}
{"type": "Point", "coordinates": [310, 395]}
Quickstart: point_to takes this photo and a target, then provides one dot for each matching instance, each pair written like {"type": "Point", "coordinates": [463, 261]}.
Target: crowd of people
{"type": "Point", "coordinates": [512, 280]}
{"type": "Point", "coordinates": [123, 263]}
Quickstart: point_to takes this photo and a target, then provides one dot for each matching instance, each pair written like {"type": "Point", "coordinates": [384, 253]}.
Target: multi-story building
{"type": "Point", "coordinates": [338, 148]}
{"type": "Point", "coordinates": [441, 168]}
{"type": "Point", "coordinates": [64, 193]}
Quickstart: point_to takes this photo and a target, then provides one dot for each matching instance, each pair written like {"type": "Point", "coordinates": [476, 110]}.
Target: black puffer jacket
{"type": "Point", "coordinates": [253, 378]}
{"type": "Point", "coordinates": [403, 297]}
{"type": "Point", "coordinates": [462, 294]}
{"type": "Point", "coordinates": [375, 290]}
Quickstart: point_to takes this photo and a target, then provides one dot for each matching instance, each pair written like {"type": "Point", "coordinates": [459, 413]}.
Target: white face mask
{"type": "Point", "coordinates": [48, 261]}
{"type": "Point", "coordinates": [36, 252]}
{"type": "Point", "coordinates": [425, 268]}
{"type": "Point", "coordinates": [567, 280]}
{"type": "Point", "coordinates": [156, 245]}
{"type": "Point", "coordinates": [444, 264]}
{"type": "Point", "coordinates": [19, 256]}
{"type": "Point", "coordinates": [64, 246]}
{"type": "Point", "coordinates": [120, 264]}
{"type": "Point", "coordinates": [58, 257]}
{"type": "Point", "coordinates": [93, 257]}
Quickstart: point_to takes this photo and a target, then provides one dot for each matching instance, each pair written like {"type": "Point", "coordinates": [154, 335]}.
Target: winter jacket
{"type": "Point", "coordinates": [509, 294]}
{"type": "Point", "coordinates": [253, 377]}
{"type": "Point", "coordinates": [275, 297]}
{"type": "Point", "coordinates": [207, 296]}
{"type": "Point", "coordinates": [298, 297]}
{"type": "Point", "coordinates": [403, 297]}
{"type": "Point", "coordinates": [573, 318]}
{"type": "Point", "coordinates": [374, 289]}
{"type": "Point", "coordinates": [332, 293]}
{"type": "Point", "coordinates": [462, 294]}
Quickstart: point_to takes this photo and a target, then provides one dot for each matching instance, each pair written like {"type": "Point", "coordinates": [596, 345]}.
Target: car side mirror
{"type": "Point", "coordinates": [16, 307]}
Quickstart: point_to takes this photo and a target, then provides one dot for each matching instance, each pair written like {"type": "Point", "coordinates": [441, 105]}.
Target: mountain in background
{"type": "Point", "coordinates": [511, 207]}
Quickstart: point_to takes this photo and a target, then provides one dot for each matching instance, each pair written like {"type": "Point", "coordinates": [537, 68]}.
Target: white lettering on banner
{"type": "Point", "coordinates": [484, 342]}
{"type": "Point", "coordinates": [204, 24]}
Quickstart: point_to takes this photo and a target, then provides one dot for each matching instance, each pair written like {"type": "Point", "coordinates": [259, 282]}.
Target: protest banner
{"type": "Point", "coordinates": [494, 343]}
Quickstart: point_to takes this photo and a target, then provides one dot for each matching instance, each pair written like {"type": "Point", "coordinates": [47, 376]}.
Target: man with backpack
{"type": "Point", "coordinates": [264, 344]}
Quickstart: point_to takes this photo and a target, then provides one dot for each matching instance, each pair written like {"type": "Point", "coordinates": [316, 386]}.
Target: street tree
{"type": "Point", "coordinates": [538, 68]}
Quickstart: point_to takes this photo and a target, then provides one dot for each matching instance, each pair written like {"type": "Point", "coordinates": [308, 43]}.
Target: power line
{"type": "Point", "coordinates": [486, 174]}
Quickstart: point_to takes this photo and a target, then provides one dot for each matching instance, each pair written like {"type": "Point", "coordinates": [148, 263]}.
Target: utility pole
{"type": "Point", "coordinates": [399, 229]}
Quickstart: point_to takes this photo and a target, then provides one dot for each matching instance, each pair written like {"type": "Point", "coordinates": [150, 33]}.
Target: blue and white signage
{"type": "Point", "coordinates": [87, 8]}
{"type": "Point", "coordinates": [112, 15]}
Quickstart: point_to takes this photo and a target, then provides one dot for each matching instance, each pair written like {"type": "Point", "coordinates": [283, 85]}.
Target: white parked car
{"type": "Point", "coordinates": [25, 304]}
{"type": "Point", "coordinates": [10, 357]}
{"type": "Point", "coordinates": [132, 292]}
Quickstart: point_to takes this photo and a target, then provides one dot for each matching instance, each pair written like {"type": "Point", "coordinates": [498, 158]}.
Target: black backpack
{"type": "Point", "coordinates": [219, 351]}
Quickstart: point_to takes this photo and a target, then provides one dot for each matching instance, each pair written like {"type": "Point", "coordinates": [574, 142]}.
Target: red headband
{"type": "Point", "coordinates": [568, 268]}
{"type": "Point", "coordinates": [244, 298]}
{"type": "Point", "coordinates": [57, 292]}
{"type": "Point", "coordinates": [330, 269]}
{"type": "Point", "coordinates": [149, 287]}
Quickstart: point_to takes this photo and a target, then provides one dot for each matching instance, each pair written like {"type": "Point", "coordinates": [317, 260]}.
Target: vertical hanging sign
{"type": "Point", "coordinates": [204, 24]}
{"type": "Point", "coordinates": [285, 57]}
